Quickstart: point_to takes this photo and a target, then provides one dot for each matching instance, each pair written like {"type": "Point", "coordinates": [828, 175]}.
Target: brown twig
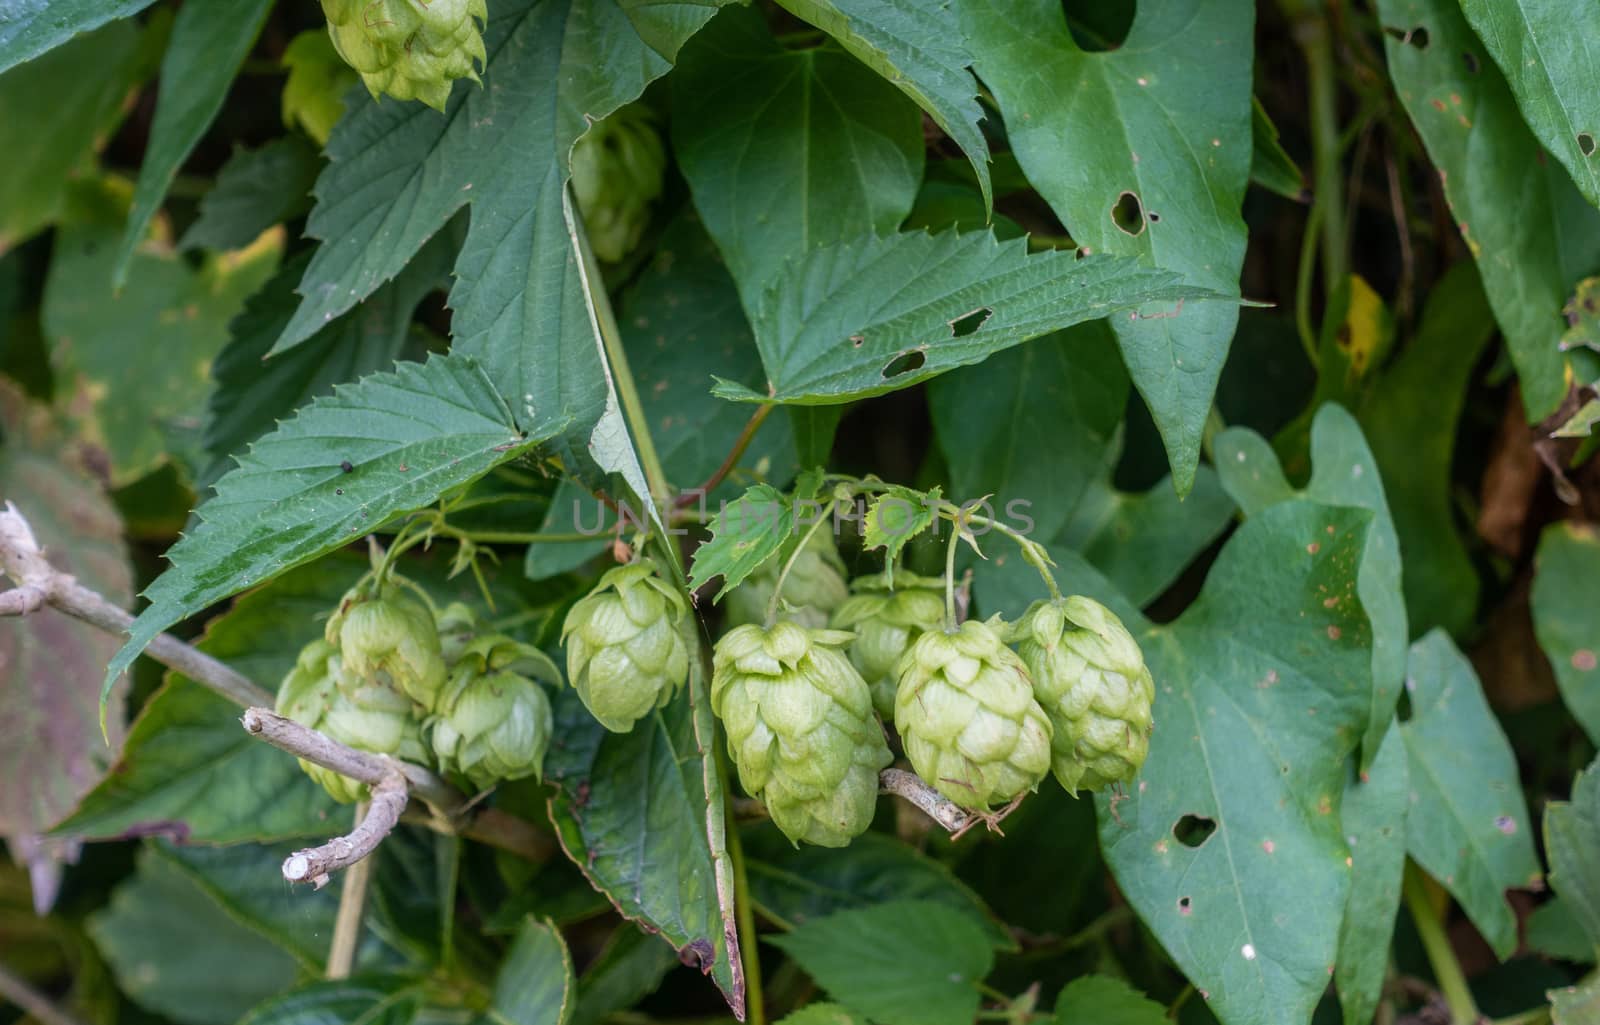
{"type": "Point", "coordinates": [361, 766]}
{"type": "Point", "coordinates": [315, 864]}
{"type": "Point", "coordinates": [734, 455]}
{"type": "Point", "coordinates": [909, 787]}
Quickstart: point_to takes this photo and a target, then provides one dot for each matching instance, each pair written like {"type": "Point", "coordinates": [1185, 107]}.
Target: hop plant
{"type": "Point", "coordinates": [800, 729]}
{"type": "Point", "coordinates": [410, 49]}
{"type": "Point", "coordinates": [626, 652]}
{"type": "Point", "coordinates": [967, 716]}
{"type": "Point", "coordinates": [886, 620]}
{"type": "Point", "coordinates": [494, 722]}
{"type": "Point", "coordinates": [617, 169]}
{"type": "Point", "coordinates": [368, 716]}
{"type": "Point", "coordinates": [1089, 675]}
{"type": "Point", "coordinates": [313, 92]}
{"type": "Point", "coordinates": [390, 638]}
{"type": "Point", "coordinates": [814, 588]}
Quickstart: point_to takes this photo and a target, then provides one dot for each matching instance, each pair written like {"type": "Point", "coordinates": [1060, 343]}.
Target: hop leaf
{"type": "Point", "coordinates": [800, 729]}
{"type": "Point", "coordinates": [1089, 676]}
{"type": "Point", "coordinates": [617, 169]}
{"type": "Point", "coordinates": [814, 588]}
{"type": "Point", "coordinates": [410, 49]}
{"type": "Point", "coordinates": [494, 722]}
{"type": "Point", "coordinates": [886, 618]}
{"type": "Point", "coordinates": [626, 653]}
{"type": "Point", "coordinates": [967, 717]}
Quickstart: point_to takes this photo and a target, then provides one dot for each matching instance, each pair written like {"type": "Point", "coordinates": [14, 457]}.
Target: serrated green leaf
{"type": "Point", "coordinates": [1374, 817]}
{"type": "Point", "coordinates": [904, 962]}
{"type": "Point", "coordinates": [1565, 618]}
{"type": "Point", "coordinates": [919, 48]}
{"type": "Point", "coordinates": [745, 533]}
{"type": "Point", "coordinates": [1544, 48]}
{"type": "Point", "coordinates": [409, 437]}
{"type": "Point", "coordinates": [761, 131]}
{"type": "Point", "coordinates": [1106, 1001]}
{"type": "Point", "coordinates": [1271, 167]}
{"type": "Point", "coordinates": [1262, 689]}
{"type": "Point", "coordinates": [255, 189]}
{"type": "Point", "coordinates": [28, 28]}
{"type": "Point", "coordinates": [1344, 472]}
{"type": "Point", "coordinates": [1164, 119]}
{"type": "Point", "coordinates": [1530, 252]}
{"type": "Point", "coordinates": [1468, 825]}
{"type": "Point", "coordinates": [898, 516]}
{"type": "Point", "coordinates": [1572, 843]}
{"type": "Point", "coordinates": [534, 986]}
{"type": "Point", "coordinates": [209, 42]}
{"type": "Point", "coordinates": [875, 315]}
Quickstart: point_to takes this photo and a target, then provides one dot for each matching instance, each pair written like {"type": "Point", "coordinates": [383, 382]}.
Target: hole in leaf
{"type": "Point", "coordinates": [1155, 218]}
{"type": "Point", "coordinates": [1586, 143]}
{"type": "Point", "coordinates": [1471, 61]}
{"type": "Point", "coordinates": [967, 323]}
{"type": "Point", "coordinates": [1099, 25]}
{"type": "Point", "coordinates": [1183, 905]}
{"type": "Point", "coordinates": [904, 364]}
{"type": "Point", "coordinates": [1127, 214]}
{"type": "Point", "coordinates": [1417, 37]}
{"type": "Point", "coordinates": [1402, 711]}
{"type": "Point", "coordinates": [1194, 830]}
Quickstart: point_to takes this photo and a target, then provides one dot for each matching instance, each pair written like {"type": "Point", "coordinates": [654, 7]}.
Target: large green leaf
{"type": "Point", "coordinates": [30, 27]}
{"type": "Point", "coordinates": [630, 809]}
{"type": "Point", "coordinates": [1468, 824]}
{"type": "Point", "coordinates": [1344, 473]}
{"type": "Point", "coordinates": [874, 315]}
{"type": "Point", "coordinates": [1545, 48]}
{"type": "Point", "coordinates": [534, 986]}
{"type": "Point", "coordinates": [1572, 843]}
{"type": "Point", "coordinates": [1143, 150]}
{"type": "Point", "coordinates": [51, 750]}
{"type": "Point", "coordinates": [1262, 688]}
{"type": "Point", "coordinates": [762, 134]}
{"type": "Point", "coordinates": [368, 999]}
{"type": "Point", "coordinates": [188, 770]}
{"type": "Point", "coordinates": [408, 438]}
{"type": "Point", "coordinates": [208, 44]}
{"type": "Point", "coordinates": [1410, 417]}
{"type": "Point", "coordinates": [629, 968]}
{"type": "Point", "coordinates": [177, 952]}
{"type": "Point", "coordinates": [47, 144]}
{"type": "Point", "coordinates": [1566, 618]}
{"type": "Point", "coordinates": [1530, 230]}
{"type": "Point", "coordinates": [905, 962]}
{"type": "Point", "coordinates": [1374, 815]}
{"type": "Point", "coordinates": [255, 189]}
{"type": "Point", "coordinates": [1576, 1005]}
{"type": "Point", "coordinates": [919, 48]}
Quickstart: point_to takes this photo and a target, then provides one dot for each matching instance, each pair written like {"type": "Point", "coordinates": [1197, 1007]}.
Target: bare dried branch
{"type": "Point", "coordinates": [315, 864]}
{"type": "Point", "coordinates": [908, 786]}
{"type": "Point", "coordinates": [361, 766]}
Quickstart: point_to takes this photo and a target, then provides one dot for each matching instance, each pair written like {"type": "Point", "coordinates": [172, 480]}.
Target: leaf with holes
{"type": "Point", "coordinates": [1143, 150]}
{"type": "Point", "coordinates": [1565, 617]}
{"type": "Point", "coordinates": [875, 315]}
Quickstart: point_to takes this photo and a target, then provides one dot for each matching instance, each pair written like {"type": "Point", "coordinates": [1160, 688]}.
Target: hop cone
{"type": "Point", "coordinates": [885, 623]}
{"type": "Point", "coordinates": [368, 716]}
{"type": "Point", "coordinates": [813, 589]}
{"type": "Point", "coordinates": [390, 639]}
{"type": "Point", "coordinates": [410, 49]}
{"type": "Point", "coordinates": [626, 653]}
{"type": "Point", "coordinates": [800, 729]}
{"type": "Point", "coordinates": [617, 169]}
{"type": "Point", "coordinates": [967, 717]}
{"type": "Point", "coordinates": [1090, 677]}
{"type": "Point", "coordinates": [494, 722]}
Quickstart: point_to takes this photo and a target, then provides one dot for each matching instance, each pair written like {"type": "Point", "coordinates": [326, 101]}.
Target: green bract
{"type": "Point", "coordinates": [800, 729]}
{"type": "Point", "coordinates": [814, 588]}
{"type": "Point", "coordinates": [493, 722]}
{"type": "Point", "coordinates": [626, 653]}
{"type": "Point", "coordinates": [617, 167]}
{"type": "Point", "coordinates": [390, 639]}
{"type": "Point", "coordinates": [1089, 675]}
{"type": "Point", "coordinates": [410, 49]}
{"type": "Point", "coordinates": [967, 716]}
{"type": "Point", "coordinates": [886, 621]}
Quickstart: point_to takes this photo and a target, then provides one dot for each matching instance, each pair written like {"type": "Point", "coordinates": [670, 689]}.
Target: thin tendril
{"type": "Point", "coordinates": [783, 575]}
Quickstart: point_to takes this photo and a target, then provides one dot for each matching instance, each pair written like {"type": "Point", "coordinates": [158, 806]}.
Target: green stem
{"type": "Point", "coordinates": [744, 913]}
{"type": "Point", "coordinates": [1441, 955]}
{"type": "Point", "coordinates": [1181, 999]}
{"type": "Point", "coordinates": [1302, 287]}
{"type": "Point", "coordinates": [950, 578]}
{"type": "Point", "coordinates": [511, 537]}
{"type": "Point", "coordinates": [734, 455]}
{"type": "Point", "coordinates": [1312, 32]}
{"type": "Point", "coordinates": [783, 575]}
{"type": "Point", "coordinates": [1537, 1016]}
{"type": "Point", "coordinates": [1032, 551]}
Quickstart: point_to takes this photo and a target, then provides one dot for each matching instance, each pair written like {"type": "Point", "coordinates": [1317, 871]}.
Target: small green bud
{"type": "Point", "coordinates": [800, 729]}
{"type": "Point", "coordinates": [617, 171]}
{"type": "Point", "coordinates": [410, 49]}
{"type": "Point", "coordinates": [626, 651]}
{"type": "Point", "coordinates": [967, 716]}
{"type": "Point", "coordinates": [814, 588]}
{"type": "Point", "coordinates": [390, 639]}
{"type": "Point", "coordinates": [1090, 677]}
{"type": "Point", "coordinates": [886, 620]}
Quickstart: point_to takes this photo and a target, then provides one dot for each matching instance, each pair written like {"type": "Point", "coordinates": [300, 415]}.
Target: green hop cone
{"type": "Point", "coordinates": [1089, 675]}
{"type": "Point", "coordinates": [368, 716]}
{"type": "Point", "coordinates": [493, 722]}
{"type": "Point", "coordinates": [390, 639]}
{"type": "Point", "coordinates": [886, 621]}
{"type": "Point", "coordinates": [967, 716]}
{"type": "Point", "coordinates": [626, 652]}
{"type": "Point", "coordinates": [410, 49]}
{"type": "Point", "coordinates": [800, 729]}
{"type": "Point", "coordinates": [814, 588]}
{"type": "Point", "coordinates": [617, 169]}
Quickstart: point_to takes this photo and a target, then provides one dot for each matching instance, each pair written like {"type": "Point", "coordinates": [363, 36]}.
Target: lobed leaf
{"type": "Point", "coordinates": [255, 189]}
{"type": "Point", "coordinates": [744, 534]}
